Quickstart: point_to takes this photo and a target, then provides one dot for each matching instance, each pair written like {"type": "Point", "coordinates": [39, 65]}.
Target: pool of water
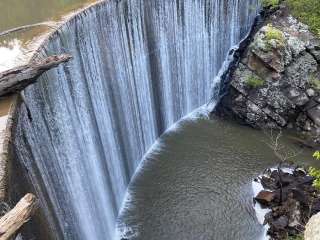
{"type": "Point", "coordinates": [196, 183]}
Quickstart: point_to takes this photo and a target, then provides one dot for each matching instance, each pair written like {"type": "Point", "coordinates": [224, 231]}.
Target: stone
{"type": "Point", "coordinates": [270, 52]}
{"type": "Point", "coordinates": [311, 104]}
{"type": "Point", "coordinates": [312, 231]}
{"type": "Point", "coordinates": [281, 223]}
{"type": "Point", "coordinates": [307, 126]}
{"type": "Point", "coordinates": [265, 197]}
{"type": "Point", "coordinates": [311, 92]}
{"type": "Point", "coordinates": [296, 45]}
{"type": "Point", "coordinates": [298, 73]}
{"type": "Point", "coordinates": [317, 99]}
{"type": "Point", "coordinates": [298, 97]}
{"type": "Point", "coordinates": [314, 115]}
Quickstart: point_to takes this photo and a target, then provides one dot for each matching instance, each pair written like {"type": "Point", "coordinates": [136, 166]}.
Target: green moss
{"type": "Point", "coordinates": [270, 3]}
{"type": "Point", "coordinates": [307, 11]}
{"type": "Point", "coordinates": [254, 82]}
{"type": "Point", "coordinates": [315, 82]}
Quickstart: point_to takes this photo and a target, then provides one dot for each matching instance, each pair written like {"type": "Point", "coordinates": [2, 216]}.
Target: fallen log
{"type": "Point", "coordinates": [17, 79]}
{"type": "Point", "coordinates": [20, 214]}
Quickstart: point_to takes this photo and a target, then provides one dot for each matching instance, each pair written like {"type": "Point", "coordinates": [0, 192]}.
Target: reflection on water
{"type": "Point", "coordinates": [17, 13]}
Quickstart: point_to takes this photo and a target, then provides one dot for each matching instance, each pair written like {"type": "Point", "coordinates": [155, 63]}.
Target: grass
{"type": "Point", "coordinates": [254, 82]}
{"type": "Point", "coordinates": [308, 12]}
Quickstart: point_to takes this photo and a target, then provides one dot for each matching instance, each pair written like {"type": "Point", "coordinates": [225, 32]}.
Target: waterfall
{"type": "Point", "coordinates": [138, 67]}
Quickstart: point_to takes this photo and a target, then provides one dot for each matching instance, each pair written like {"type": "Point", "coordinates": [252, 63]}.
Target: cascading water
{"type": "Point", "coordinates": [139, 66]}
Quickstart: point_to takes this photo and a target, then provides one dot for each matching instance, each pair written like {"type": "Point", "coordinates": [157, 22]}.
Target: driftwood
{"type": "Point", "coordinates": [20, 214]}
{"type": "Point", "coordinates": [16, 79]}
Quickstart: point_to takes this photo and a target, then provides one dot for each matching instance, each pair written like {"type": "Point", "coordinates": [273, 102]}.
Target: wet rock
{"type": "Point", "coordinates": [300, 200]}
{"type": "Point", "coordinates": [281, 223]}
{"type": "Point", "coordinates": [268, 183]}
{"type": "Point", "coordinates": [300, 196]}
{"type": "Point", "coordinates": [265, 197]}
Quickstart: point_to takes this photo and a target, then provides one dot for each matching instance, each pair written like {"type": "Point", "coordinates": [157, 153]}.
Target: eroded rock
{"type": "Point", "coordinates": [287, 63]}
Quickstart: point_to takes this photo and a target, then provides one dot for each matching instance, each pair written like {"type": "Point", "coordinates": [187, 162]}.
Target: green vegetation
{"type": "Point", "coordinates": [315, 172]}
{"type": "Point", "coordinates": [307, 11]}
{"type": "Point", "coordinates": [315, 82]}
{"type": "Point", "coordinates": [274, 35]}
{"type": "Point", "coordinates": [254, 81]}
{"type": "Point", "coordinates": [270, 3]}
{"type": "Point", "coordinates": [298, 237]}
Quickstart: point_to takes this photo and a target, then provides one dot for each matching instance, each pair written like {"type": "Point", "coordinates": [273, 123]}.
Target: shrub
{"type": "Point", "coordinates": [254, 81]}
{"type": "Point", "coordinates": [308, 12]}
{"type": "Point", "coordinates": [270, 3]}
{"type": "Point", "coordinates": [315, 172]}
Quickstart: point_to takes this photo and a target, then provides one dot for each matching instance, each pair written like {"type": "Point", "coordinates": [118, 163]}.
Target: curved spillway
{"type": "Point", "coordinates": [139, 66]}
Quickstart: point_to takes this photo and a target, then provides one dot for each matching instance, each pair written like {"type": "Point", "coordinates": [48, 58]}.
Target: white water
{"type": "Point", "coordinates": [139, 66]}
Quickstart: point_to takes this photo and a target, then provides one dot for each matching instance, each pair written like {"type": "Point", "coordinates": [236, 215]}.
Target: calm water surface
{"type": "Point", "coordinates": [15, 13]}
{"type": "Point", "coordinates": [196, 184]}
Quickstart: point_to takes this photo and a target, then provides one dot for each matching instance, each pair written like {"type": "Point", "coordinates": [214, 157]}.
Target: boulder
{"type": "Point", "coordinates": [311, 92]}
{"type": "Point", "coordinates": [314, 114]}
{"type": "Point", "coordinates": [312, 231]}
{"type": "Point", "coordinates": [265, 197]}
{"type": "Point", "coordinates": [281, 223]}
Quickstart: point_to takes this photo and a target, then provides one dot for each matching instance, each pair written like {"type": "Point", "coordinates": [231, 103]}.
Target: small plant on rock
{"type": "Point", "coordinates": [274, 34]}
{"type": "Point", "coordinates": [315, 172]}
{"type": "Point", "coordinates": [254, 81]}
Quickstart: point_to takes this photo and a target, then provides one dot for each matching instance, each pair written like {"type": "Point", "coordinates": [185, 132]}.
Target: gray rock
{"type": "Point", "coordinates": [281, 223]}
{"type": "Point", "coordinates": [310, 104]}
{"type": "Point", "coordinates": [311, 92]}
{"type": "Point", "coordinates": [272, 52]}
{"type": "Point", "coordinates": [298, 73]}
{"type": "Point", "coordinates": [317, 99]}
{"type": "Point", "coordinates": [296, 45]}
{"type": "Point", "coordinates": [314, 114]}
{"type": "Point", "coordinates": [293, 93]}
{"type": "Point", "coordinates": [301, 100]}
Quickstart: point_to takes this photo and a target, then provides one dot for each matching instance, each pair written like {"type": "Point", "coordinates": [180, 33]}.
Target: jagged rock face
{"type": "Point", "coordinates": [277, 82]}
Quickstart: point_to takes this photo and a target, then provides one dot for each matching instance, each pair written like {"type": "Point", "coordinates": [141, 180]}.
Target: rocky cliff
{"type": "Point", "coordinates": [277, 82]}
